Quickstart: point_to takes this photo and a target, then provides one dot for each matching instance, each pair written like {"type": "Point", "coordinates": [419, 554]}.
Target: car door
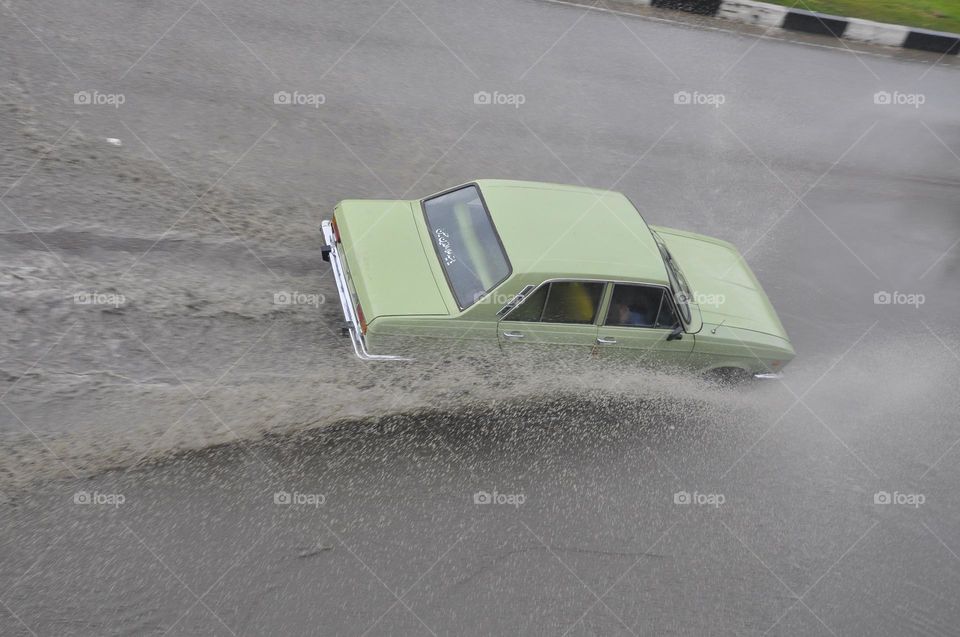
{"type": "Point", "coordinates": [637, 322]}
{"type": "Point", "coordinates": [555, 321]}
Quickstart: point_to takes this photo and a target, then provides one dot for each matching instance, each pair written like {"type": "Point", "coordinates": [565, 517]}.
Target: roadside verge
{"type": "Point", "coordinates": [771, 15]}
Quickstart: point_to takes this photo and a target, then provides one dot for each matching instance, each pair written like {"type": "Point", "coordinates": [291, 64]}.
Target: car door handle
{"type": "Point", "coordinates": [606, 340]}
{"type": "Point", "coordinates": [513, 334]}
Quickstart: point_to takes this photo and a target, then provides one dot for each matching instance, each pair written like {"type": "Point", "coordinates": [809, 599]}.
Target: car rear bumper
{"type": "Point", "coordinates": [332, 254]}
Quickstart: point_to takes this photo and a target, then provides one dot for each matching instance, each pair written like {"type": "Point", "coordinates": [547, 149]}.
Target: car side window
{"type": "Point", "coordinates": [640, 306]}
{"type": "Point", "coordinates": [573, 302]}
{"type": "Point", "coordinates": [532, 307]}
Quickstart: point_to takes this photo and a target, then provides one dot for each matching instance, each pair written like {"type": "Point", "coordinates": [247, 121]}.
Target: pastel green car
{"type": "Point", "coordinates": [531, 268]}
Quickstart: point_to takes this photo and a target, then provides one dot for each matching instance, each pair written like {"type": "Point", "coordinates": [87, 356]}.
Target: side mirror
{"type": "Point", "coordinates": [676, 334]}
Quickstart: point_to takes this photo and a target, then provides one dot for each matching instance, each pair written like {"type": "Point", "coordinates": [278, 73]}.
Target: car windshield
{"type": "Point", "coordinates": [678, 283]}
{"type": "Point", "coordinates": [467, 244]}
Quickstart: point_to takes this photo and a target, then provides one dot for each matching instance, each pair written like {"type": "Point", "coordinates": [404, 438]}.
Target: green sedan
{"type": "Point", "coordinates": [531, 268]}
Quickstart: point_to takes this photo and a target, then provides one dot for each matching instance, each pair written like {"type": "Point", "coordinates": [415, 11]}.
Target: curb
{"type": "Point", "coordinates": [773, 15]}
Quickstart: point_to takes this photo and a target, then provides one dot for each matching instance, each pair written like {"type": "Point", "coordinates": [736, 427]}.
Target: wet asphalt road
{"type": "Point", "coordinates": [210, 206]}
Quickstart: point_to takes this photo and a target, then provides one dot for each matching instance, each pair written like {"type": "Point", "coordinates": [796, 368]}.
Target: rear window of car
{"type": "Point", "coordinates": [467, 244]}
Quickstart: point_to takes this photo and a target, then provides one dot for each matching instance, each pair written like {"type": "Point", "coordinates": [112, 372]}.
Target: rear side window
{"type": "Point", "coordinates": [573, 302]}
{"type": "Point", "coordinates": [640, 306]}
{"type": "Point", "coordinates": [466, 243]}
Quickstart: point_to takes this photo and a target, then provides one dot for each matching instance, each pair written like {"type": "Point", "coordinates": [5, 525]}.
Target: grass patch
{"type": "Point", "coordinates": [940, 15]}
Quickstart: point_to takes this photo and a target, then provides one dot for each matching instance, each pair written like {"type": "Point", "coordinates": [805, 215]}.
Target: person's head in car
{"type": "Point", "coordinates": [639, 311]}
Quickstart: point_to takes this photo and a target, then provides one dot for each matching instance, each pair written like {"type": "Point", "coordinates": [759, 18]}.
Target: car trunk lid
{"type": "Point", "coordinates": [386, 260]}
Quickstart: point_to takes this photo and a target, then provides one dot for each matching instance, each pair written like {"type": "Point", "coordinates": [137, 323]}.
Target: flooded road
{"type": "Point", "coordinates": [184, 453]}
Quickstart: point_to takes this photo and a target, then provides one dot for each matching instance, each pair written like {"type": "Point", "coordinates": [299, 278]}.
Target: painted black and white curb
{"type": "Point", "coordinates": [772, 15]}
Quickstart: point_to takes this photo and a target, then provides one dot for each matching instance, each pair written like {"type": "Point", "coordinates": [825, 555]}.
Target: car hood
{"type": "Point", "coordinates": [724, 288]}
{"type": "Point", "coordinates": [386, 259]}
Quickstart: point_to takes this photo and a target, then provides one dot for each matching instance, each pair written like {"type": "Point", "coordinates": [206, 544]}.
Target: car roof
{"type": "Point", "coordinates": [557, 231]}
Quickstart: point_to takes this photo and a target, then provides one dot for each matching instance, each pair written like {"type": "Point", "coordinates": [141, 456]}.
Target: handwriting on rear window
{"type": "Point", "coordinates": [446, 250]}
